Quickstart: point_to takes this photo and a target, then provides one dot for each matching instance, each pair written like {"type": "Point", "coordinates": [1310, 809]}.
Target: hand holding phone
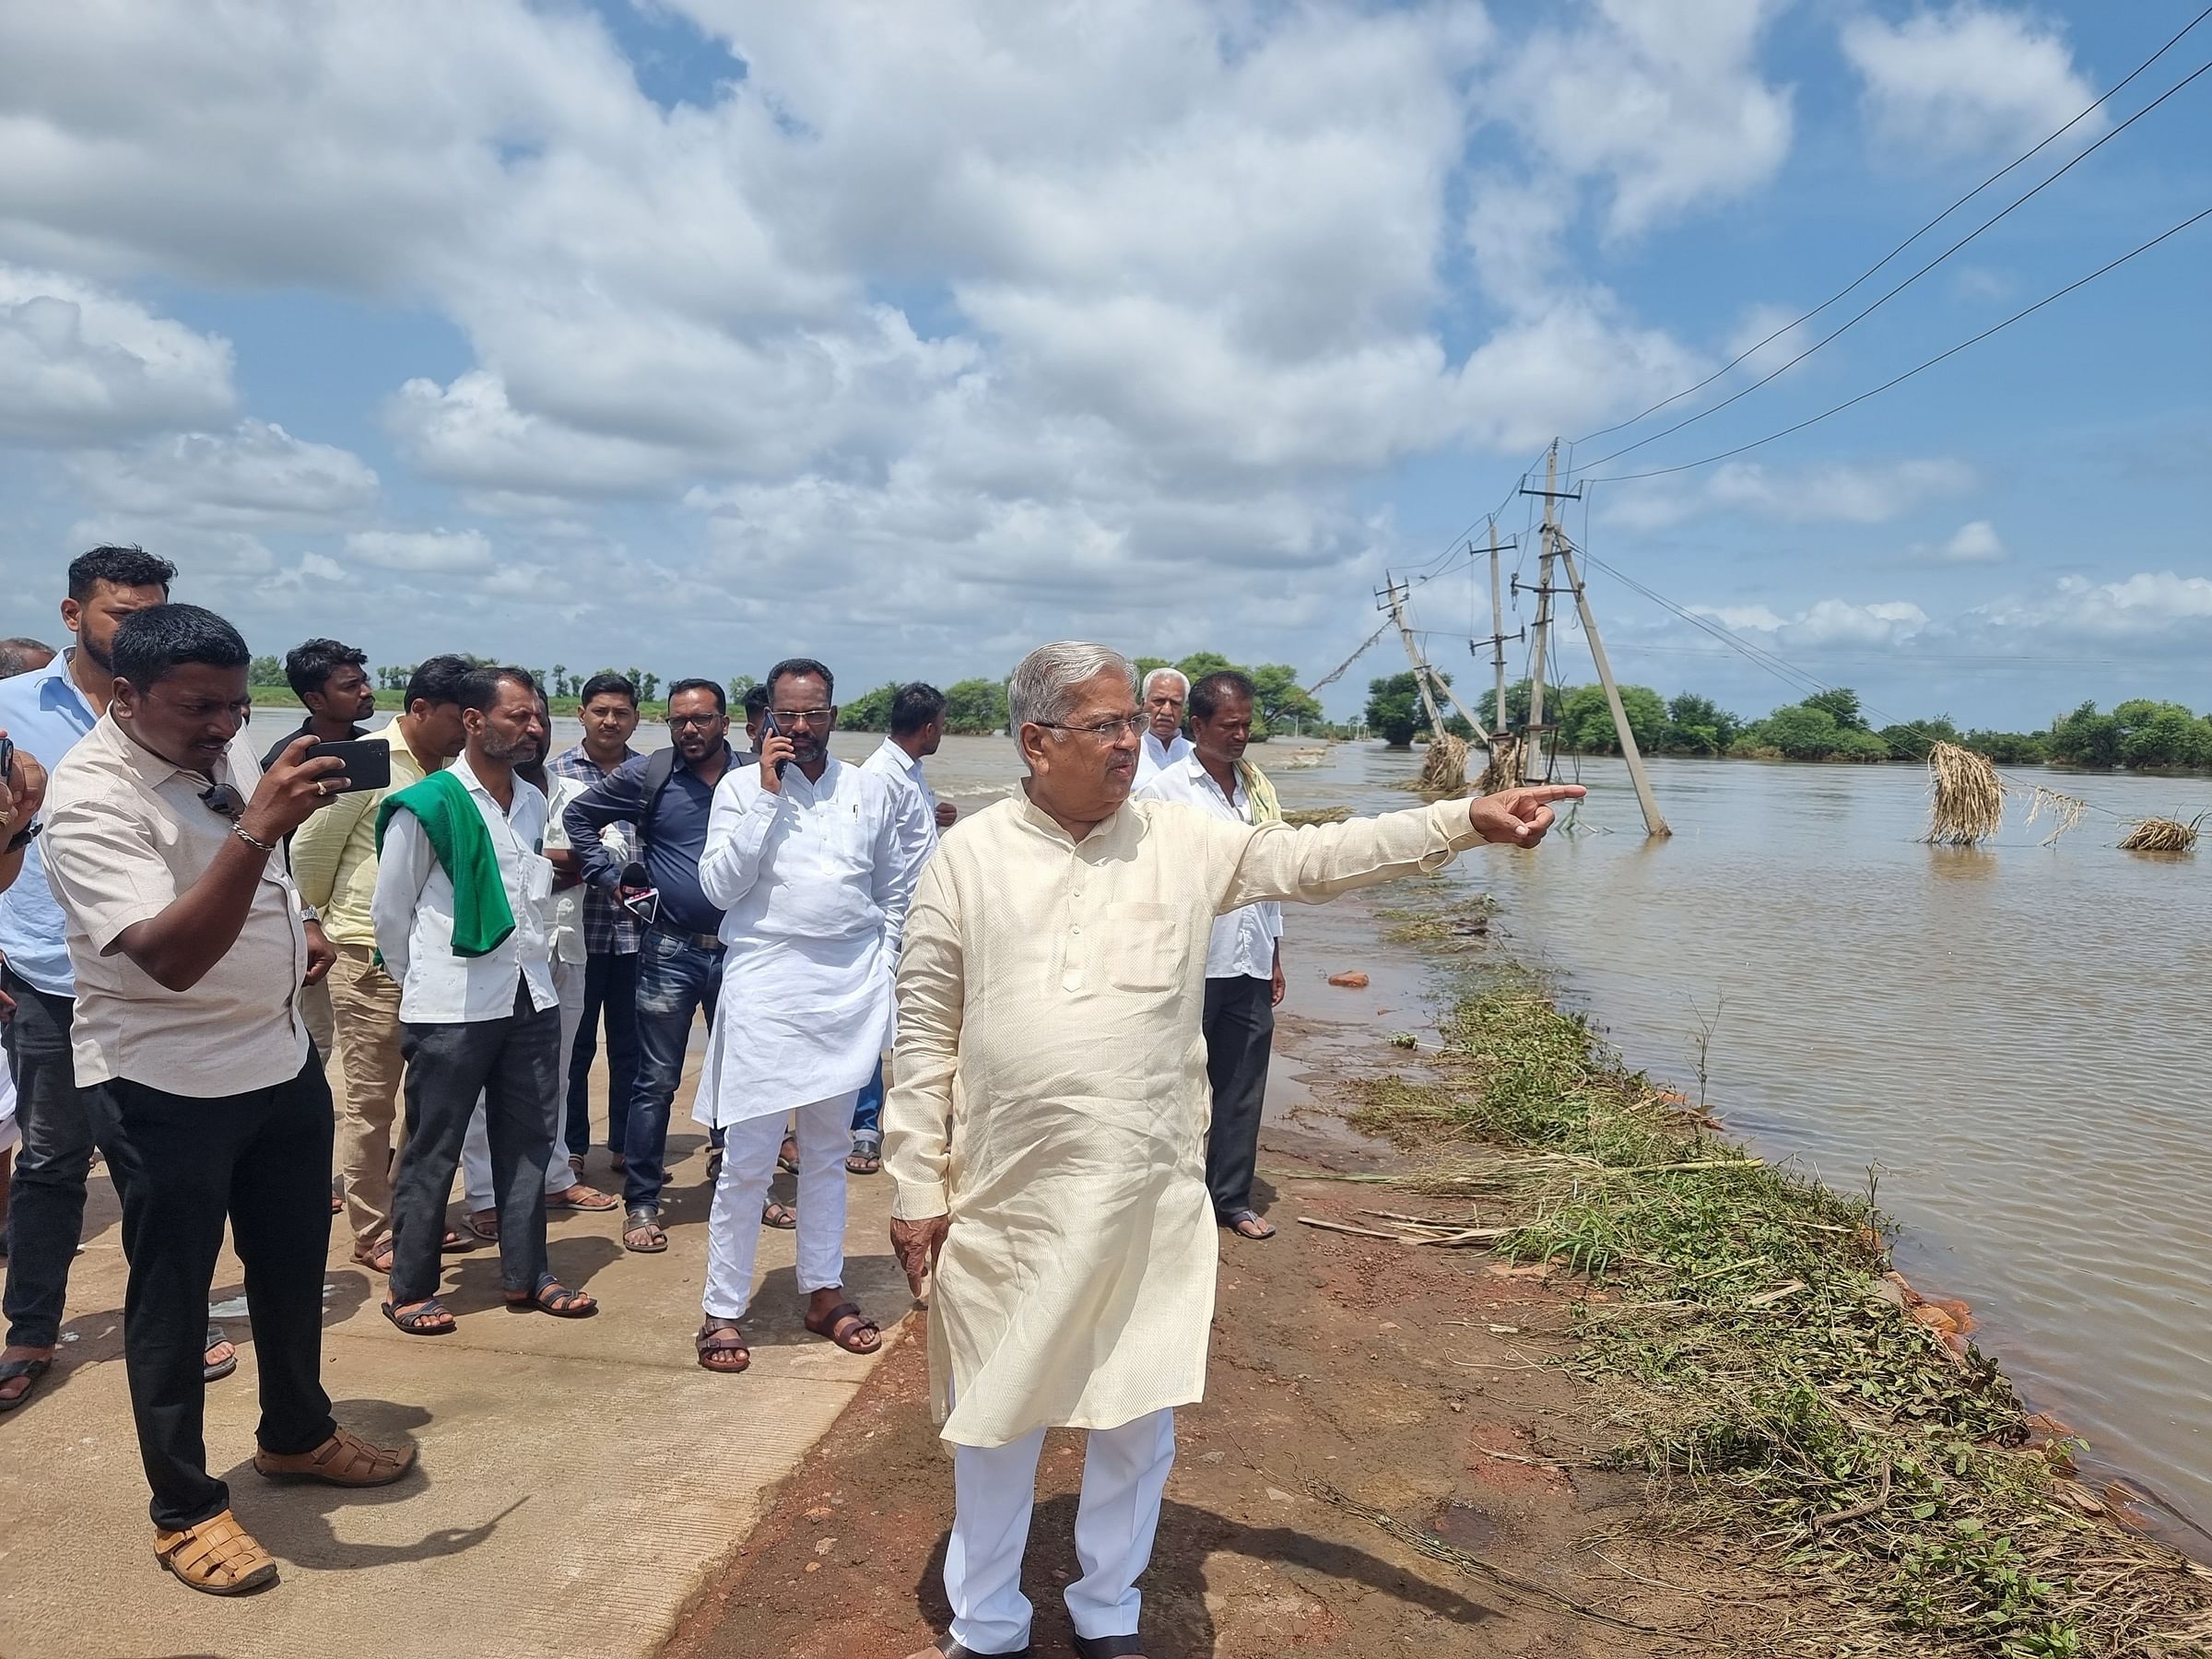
{"type": "Point", "coordinates": [776, 751]}
{"type": "Point", "coordinates": [368, 764]}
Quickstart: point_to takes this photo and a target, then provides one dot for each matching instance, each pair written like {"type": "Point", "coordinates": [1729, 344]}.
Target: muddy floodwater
{"type": "Point", "coordinates": [2012, 1038]}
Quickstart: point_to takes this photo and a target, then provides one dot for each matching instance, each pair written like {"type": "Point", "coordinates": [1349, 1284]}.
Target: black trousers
{"type": "Point", "coordinates": [183, 1165]}
{"type": "Point", "coordinates": [46, 1202]}
{"type": "Point", "coordinates": [513, 1063]}
{"type": "Point", "coordinates": [1240, 1034]}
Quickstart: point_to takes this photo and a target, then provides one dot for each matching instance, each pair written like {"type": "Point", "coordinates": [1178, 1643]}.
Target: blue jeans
{"type": "Point", "coordinates": [610, 993]}
{"type": "Point", "coordinates": [868, 1111]}
{"type": "Point", "coordinates": [676, 979]}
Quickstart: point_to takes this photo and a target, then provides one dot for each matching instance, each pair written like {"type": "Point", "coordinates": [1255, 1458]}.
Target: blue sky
{"type": "Point", "coordinates": [693, 334]}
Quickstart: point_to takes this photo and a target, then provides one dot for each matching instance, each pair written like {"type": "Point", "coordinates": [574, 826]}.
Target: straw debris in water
{"type": "Point", "coordinates": [1504, 768]}
{"type": "Point", "coordinates": [1967, 802]}
{"type": "Point", "coordinates": [2064, 811]}
{"type": "Point", "coordinates": [2161, 835]}
{"type": "Point", "coordinates": [1444, 772]}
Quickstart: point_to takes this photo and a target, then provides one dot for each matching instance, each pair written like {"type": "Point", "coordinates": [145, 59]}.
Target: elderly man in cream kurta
{"type": "Point", "coordinates": [1046, 1130]}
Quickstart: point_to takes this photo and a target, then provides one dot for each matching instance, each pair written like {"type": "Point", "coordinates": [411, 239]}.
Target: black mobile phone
{"type": "Point", "coordinates": [768, 728]}
{"type": "Point", "coordinates": [7, 760]}
{"type": "Point", "coordinates": [367, 765]}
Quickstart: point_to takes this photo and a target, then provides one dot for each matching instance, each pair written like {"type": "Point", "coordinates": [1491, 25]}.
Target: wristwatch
{"type": "Point", "coordinates": [23, 837]}
{"type": "Point", "coordinates": [308, 913]}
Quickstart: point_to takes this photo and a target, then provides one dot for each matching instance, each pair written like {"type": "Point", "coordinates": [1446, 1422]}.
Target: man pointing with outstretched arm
{"type": "Point", "coordinates": [1046, 1128]}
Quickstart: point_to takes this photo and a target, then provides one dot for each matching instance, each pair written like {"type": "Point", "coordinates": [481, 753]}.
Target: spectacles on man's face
{"type": "Point", "coordinates": [812, 717]}
{"type": "Point", "coordinates": [1105, 731]}
{"type": "Point", "coordinates": [684, 722]}
{"type": "Point", "coordinates": [224, 800]}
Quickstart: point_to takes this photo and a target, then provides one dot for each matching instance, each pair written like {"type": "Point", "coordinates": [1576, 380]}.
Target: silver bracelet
{"type": "Point", "coordinates": [252, 841]}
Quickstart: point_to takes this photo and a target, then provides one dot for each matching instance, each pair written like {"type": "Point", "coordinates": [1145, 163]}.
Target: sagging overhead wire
{"type": "Point", "coordinates": [1661, 471]}
{"type": "Point", "coordinates": [1855, 282]}
{"type": "Point", "coordinates": [1877, 304]}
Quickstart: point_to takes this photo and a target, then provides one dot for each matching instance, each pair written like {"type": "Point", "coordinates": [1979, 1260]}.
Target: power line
{"type": "Point", "coordinates": [1659, 472]}
{"type": "Point", "coordinates": [1884, 259]}
{"type": "Point", "coordinates": [1907, 282]}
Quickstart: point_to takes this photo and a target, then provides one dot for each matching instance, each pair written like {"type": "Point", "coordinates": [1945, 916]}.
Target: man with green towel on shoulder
{"type": "Point", "coordinates": [461, 873]}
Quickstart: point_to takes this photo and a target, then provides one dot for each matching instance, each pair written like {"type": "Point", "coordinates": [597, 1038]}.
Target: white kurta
{"type": "Point", "coordinates": [813, 884]}
{"type": "Point", "coordinates": [1051, 1092]}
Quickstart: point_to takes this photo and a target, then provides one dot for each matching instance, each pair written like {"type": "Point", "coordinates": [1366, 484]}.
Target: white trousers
{"type": "Point", "coordinates": [1124, 1472]}
{"type": "Point", "coordinates": [748, 1164]}
{"type": "Point", "coordinates": [476, 1146]}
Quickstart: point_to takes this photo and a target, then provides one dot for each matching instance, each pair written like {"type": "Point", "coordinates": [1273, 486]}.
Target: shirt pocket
{"type": "Point", "coordinates": [1144, 948]}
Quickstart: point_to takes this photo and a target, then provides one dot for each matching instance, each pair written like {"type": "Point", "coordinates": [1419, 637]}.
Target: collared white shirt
{"type": "Point", "coordinates": [918, 822]}
{"type": "Point", "coordinates": [414, 913]}
{"type": "Point", "coordinates": [1242, 943]}
{"type": "Point", "coordinates": [1157, 757]}
{"type": "Point", "coordinates": [564, 911]}
{"type": "Point", "coordinates": [126, 834]}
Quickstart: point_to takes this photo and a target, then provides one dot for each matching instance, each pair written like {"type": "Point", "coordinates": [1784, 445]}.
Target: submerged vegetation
{"type": "Point", "coordinates": [1753, 1354]}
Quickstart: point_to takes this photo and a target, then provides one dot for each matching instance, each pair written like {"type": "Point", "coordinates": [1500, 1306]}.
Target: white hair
{"type": "Point", "coordinates": [1042, 688]}
{"type": "Point", "coordinates": [1177, 675]}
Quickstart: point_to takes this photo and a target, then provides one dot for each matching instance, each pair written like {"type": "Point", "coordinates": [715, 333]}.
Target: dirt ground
{"type": "Point", "coordinates": [1402, 1379]}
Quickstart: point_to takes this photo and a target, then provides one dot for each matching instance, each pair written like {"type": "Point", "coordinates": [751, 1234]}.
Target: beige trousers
{"type": "Point", "coordinates": [365, 1002]}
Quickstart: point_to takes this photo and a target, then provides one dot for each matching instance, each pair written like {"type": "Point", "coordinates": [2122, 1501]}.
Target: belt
{"type": "Point", "coordinates": [696, 941]}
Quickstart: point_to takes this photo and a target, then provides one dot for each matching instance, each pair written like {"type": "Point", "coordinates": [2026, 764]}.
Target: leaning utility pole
{"type": "Point", "coordinates": [1653, 823]}
{"type": "Point", "coordinates": [1393, 599]}
{"type": "Point", "coordinates": [1500, 722]}
{"type": "Point", "coordinates": [1541, 627]}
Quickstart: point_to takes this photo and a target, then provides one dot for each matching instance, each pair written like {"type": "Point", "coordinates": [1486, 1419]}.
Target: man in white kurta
{"type": "Point", "coordinates": [1165, 691]}
{"type": "Point", "coordinates": [1046, 1127]}
{"type": "Point", "coordinates": [808, 858]}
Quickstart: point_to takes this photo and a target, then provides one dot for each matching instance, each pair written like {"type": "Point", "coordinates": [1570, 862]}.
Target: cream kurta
{"type": "Point", "coordinates": [1051, 1092]}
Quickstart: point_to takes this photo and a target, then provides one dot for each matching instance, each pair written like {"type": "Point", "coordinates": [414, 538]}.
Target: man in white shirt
{"type": "Point", "coordinates": [1243, 953]}
{"type": "Point", "coordinates": [459, 884]}
{"type": "Point", "coordinates": [564, 940]}
{"type": "Point", "coordinates": [917, 728]}
{"type": "Point", "coordinates": [806, 857]}
{"type": "Point", "coordinates": [1165, 691]}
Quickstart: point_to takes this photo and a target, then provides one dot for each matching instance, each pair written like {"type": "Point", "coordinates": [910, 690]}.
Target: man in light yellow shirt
{"type": "Point", "coordinates": [334, 862]}
{"type": "Point", "coordinates": [1046, 1131]}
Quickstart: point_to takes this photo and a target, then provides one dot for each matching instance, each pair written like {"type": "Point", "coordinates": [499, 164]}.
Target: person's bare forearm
{"type": "Point", "coordinates": [178, 947]}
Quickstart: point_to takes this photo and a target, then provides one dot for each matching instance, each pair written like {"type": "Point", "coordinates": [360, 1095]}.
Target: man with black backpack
{"type": "Point", "coordinates": [666, 797]}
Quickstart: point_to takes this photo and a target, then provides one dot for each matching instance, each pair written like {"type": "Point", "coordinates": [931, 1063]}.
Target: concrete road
{"type": "Point", "coordinates": [578, 1479]}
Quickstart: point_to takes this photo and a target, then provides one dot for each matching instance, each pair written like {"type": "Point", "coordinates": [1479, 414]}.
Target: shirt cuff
{"type": "Point", "coordinates": [919, 1200]}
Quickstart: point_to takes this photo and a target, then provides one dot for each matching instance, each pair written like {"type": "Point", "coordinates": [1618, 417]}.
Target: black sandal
{"type": "Point", "coordinates": [644, 1221]}
{"type": "Point", "coordinates": [414, 1324]}
{"type": "Point", "coordinates": [552, 1297]}
{"type": "Point", "coordinates": [12, 1369]}
{"type": "Point", "coordinates": [221, 1368]}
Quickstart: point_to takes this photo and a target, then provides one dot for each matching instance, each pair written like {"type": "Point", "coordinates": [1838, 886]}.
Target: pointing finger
{"type": "Point", "coordinates": [1537, 795]}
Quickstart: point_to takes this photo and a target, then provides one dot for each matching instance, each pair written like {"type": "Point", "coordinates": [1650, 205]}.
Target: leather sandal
{"type": "Point", "coordinates": [217, 1556]}
{"type": "Point", "coordinates": [848, 1327]}
{"type": "Point", "coordinates": [344, 1460]}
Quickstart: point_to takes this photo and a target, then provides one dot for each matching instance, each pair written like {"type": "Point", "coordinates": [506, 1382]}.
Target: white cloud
{"type": "Point", "coordinates": [421, 550]}
{"type": "Point", "coordinates": [1975, 542]}
{"type": "Point", "coordinates": [255, 475]}
{"type": "Point", "coordinates": [2148, 606]}
{"type": "Point", "coordinates": [1967, 80]}
{"type": "Point", "coordinates": [1836, 492]}
{"type": "Point", "coordinates": [1827, 622]}
{"type": "Point", "coordinates": [1661, 98]}
{"type": "Point", "coordinates": [80, 365]}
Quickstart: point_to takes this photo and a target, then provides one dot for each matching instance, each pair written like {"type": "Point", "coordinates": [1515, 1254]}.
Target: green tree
{"type": "Point", "coordinates": [2011, 749]}
{"type": "Point", "coordinates": [1841, 705]}
{"type": "Point", "coordinates": [739, 684]}
{"type": "Point", "coordinates": [1145, 665]}
{"type": "Point", "coordinates": [266, 671]}
{"type": "Point", "coordinates": [1799, 732]}
{"type": "Point", "coordinates": [2158, 735]}
{"type": "Point", "coordinates": [870, 712]}
{"type": "Point", "coordinates": [561, 679]}
{"type": "Point", "coordinates": [1200, 664]}
{"type": "Point", "coordinates": [1585, 719]}
{"type": "Point", "coordinates": [975, 708]}
{"type": "Point", "coordinates": [1516, 705]}
{"type": "Point", "coordinates": [1913, 742]}
{"type": "Point", "coordinates": [1278, 699]}
{"type": "Point", "coordinates": [649, 686]}
{"type": "Point", "coordinates": [1696, 726]}
{"type": "Point", "coordinates": [2085, 738]}
{"type": "Point", "coordinates": [1394, 709]}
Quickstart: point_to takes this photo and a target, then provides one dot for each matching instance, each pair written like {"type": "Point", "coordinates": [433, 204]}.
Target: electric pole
{"type": "Point", "coordinates": [1653, 823]}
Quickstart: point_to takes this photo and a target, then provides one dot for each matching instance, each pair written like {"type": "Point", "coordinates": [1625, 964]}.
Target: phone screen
{"type": "Point", "coordinates": [368, 764]}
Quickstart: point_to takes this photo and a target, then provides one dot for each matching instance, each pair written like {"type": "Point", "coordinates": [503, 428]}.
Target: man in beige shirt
{"type": "Point", "coordinates": [189, 948]}
{"type": "Point", "coordinates": [333, 860]}
{"type": "Point", "coordinates": [1046, 1132]}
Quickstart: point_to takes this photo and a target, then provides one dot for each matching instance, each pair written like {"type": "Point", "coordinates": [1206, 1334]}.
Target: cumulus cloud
{"type": "Point", "coordinates": [1976, 542]}
{"type": "Point", "coordinates": [421, 550]}
{"type": "Point", "coordinates": [1829, 492]}
{"type": "Point", "coordinates": [2150, 606]}
{"type": "Point", "coordinates": [1967, 80]}
{"type": "Point", "coordinates": [81, 365]}
{"type": "Point", "coordinates": [257, 474]}
{"type": "Point", "coordinates": [1826, 623]}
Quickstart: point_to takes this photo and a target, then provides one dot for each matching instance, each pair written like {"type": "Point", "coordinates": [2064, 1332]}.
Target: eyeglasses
{"type": "Point", "coordinates": [803, 716]}
{"type": "Point", "coordinates": [1105, 731]}
{"type": "Point", "coordinates": [223, 801]}
{"type": "Point", "coordinates": [679, 722]}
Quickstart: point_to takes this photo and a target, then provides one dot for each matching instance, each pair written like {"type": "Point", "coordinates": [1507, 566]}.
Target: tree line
{"type": "Point", "coordinates": [1828, 726]}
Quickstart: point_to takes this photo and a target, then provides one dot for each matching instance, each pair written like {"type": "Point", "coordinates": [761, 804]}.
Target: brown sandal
{"type": "Point", "coordinates": [721, 1337]}
{"type": "Point", "coordinates": [847, 1327]}
{"type": "Point", "coordinates": [377, 1258]}
{"type": "Point", "coordinates": [344, 1460]}
{"type": "Point", "coordinates": [217, 1556]}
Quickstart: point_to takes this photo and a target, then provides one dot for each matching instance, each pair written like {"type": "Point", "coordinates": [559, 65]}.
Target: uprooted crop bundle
{"type": "Point", "coordinates": [1504, 769]}
{"type": "Point", "coordinates": [1444, 772]}
{"type": "Point", "coordinates": [2161, 835]}
{"type": "Point", "coordinates": [1967, 802]}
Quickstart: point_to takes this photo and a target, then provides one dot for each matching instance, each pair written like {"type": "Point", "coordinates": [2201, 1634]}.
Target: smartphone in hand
{"type": "Point", "coordinates": [368, 764]}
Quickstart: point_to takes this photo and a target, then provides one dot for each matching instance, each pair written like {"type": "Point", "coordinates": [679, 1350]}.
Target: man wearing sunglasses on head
{"type": "Point", "coordinates": [190, 946]}
{"type": "Point", "coordinates": [666, 796]}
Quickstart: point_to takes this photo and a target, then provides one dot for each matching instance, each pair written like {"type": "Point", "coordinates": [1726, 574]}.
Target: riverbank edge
{"type": "Point", "coordinates": [1751, 1348]}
